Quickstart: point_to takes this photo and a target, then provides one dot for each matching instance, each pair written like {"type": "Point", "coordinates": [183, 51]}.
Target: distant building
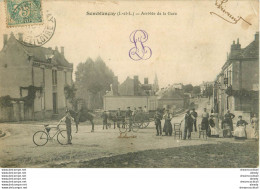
{"type": "Point", "coordinates": [130, 93]}
{"type": "Point", "coordinates": [237, 85]}
{"type": "Point", "coordinates": [204, 86]}
{"type": "Point", "coordinates": [155, 84]}
{"type": "Point", "coordinates": [177, 86]}
{"type": "Point", "coordinates": [172, 98]}
{"type": "Point", "coordinates": [34, 77]}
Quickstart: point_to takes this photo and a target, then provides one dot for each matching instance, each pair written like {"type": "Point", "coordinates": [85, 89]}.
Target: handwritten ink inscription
{"type": "Point", "coordinates": [139, 51]}
{"type": "Point", "coordinates": [229, 17]}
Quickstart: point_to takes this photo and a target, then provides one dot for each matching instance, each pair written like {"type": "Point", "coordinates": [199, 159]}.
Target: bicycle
{"type": "Point", "coordinates": [40, 138]}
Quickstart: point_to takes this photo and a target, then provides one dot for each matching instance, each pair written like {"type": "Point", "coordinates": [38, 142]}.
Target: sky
{"type": "Point", "coordinates": [190, 47]}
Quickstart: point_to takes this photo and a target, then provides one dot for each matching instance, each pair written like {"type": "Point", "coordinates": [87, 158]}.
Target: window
{"type": "Point", "coordinates": [54, 77]}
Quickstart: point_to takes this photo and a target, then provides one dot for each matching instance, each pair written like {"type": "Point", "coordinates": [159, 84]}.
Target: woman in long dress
{"type": "Point", "coordinates": [167, 124]}
{"type": "Point", "coordinates": [240, 130]}
{"type": "Point", "coordinates": [213, 129]}
{"type": "Point", "coordinates": [255, 125]}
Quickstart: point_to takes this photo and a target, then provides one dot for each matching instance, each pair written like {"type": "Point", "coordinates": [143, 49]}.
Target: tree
{"type": "Point", "coordinates": [188, 88]}
{"type": "Point", "coordinates": [93, 79]}
{"type": "Point", "coordinates": [70, 95]}
{"type": "Point", "coordinates": [208, 92]}
{"type": "Point", "coordinates": [196, 90]}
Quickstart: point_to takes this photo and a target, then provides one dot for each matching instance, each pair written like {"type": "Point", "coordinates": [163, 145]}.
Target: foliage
{"type": "Point", "coordinates": [187, 88]}
{"type": "Point", "coordinates": [5, 101]}
{"type": "Point", "coordinates": [208, 91]}
{"type": "Point", "coordinates": [70, 94]}
{"type": "Point", "coordinates": [93, 79]}
{"type": "Point", "coordinates": [29, 99]}
{"type": "Point", "coordinates": [196, 90]}
{"type": "Point", "coordinates": [239, 93]}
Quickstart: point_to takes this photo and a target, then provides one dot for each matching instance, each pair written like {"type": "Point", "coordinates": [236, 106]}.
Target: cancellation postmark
{"type": "Point", "coordinates": [23, 12]}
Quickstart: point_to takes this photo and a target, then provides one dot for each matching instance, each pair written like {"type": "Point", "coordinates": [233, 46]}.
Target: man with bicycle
{"type": "Point", "coordinates": [68, 119]}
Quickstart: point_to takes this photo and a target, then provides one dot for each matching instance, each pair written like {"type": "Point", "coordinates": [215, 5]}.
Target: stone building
{"type": "Point", "coordinates": [236, 87]}
{"type": "Point", "coordinates": [34, 78]}
{"type": "Point", "coordinates": [131, 93]}
{"type": "Point", "coordinates": [173, 97]}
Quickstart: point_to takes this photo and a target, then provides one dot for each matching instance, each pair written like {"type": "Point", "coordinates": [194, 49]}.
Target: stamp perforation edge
{"type": "Point", "coordinates": [23, 25]}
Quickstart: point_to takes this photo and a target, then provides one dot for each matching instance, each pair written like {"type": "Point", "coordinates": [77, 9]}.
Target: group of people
{"type": "Point", "coordinates": [120, 117]}
{"type": "Point", "coordinates": [208, 124]}
{"type": "Point", "coordinates": [189, 121]}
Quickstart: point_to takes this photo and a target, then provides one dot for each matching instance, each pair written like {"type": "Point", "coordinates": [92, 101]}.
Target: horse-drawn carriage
{"type": "Point", "coordinates": [142, 119]}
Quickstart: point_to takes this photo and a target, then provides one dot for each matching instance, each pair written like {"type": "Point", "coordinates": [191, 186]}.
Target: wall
{"type": "Point", "coordinates": [48, 90]}
{"type": "Point", "coordinates": [122, 102]}
{"type": "Point", "coordinates": [60, 89]}
{"type": "Point", "coordinates": [171, 103]}
{"type": "Point", "coordinates": [250, 75]}
{"type": "Point", "coordinates": [246, 75]}
{"type": "Point", "coordinates": [15, 71]}
{"type": "Point", "coordinates": [6, 114]}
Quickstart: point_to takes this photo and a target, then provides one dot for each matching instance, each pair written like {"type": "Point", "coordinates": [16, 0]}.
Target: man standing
{"type": "Point", "coordinates": [195, 115]}
{"type": "Point", "coordinates": [119, 117]}
{"type": "Point", "coordinates": [134, 113]}
{"type": "Point", "coordinates": [68, 119]}
{"type": "Point", "coordinates": [157, 120]}
{"type": "Point", "coordinates": [228, 118]}
{"type": "Point", "coordinates": [188, 125]}
{"type": "Point", "coordinates": [104, 116]}
{"type": "Point", "coordinates": [128, 117]}
{"type": "Point", "coordinates": [205, 120]}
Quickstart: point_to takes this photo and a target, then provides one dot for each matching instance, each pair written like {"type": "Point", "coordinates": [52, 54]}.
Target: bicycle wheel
{"type": "Point", "coordinates": [135, 128]}
{"type": "Point", "coordinates": [145, 124]}
{"type": "Point", "coordinates": [40, 138]}
{"type": "Point", "coordinates": [123, 128]}
{"type": "Point", "coordinates": [62, 137]}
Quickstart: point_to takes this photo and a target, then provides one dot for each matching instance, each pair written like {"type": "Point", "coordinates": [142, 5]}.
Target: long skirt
{"type": "Point", "coordinates": [204, 124]}
{"type": "Point", "coordinates": [167, 128]}
{"type": "Point", "coordinates": [240, 132]}
{"type": "Point", "coordinates": [214, 132]}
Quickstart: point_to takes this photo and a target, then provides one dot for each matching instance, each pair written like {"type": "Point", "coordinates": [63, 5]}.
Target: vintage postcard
{"type": "Point", "coordinates": [129, 84]}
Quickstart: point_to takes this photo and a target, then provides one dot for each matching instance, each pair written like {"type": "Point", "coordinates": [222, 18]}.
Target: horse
{"type": "Point", "coordinates": [82, 116]}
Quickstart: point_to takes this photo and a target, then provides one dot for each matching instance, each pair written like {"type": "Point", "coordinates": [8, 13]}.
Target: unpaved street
{"type": "Point", "coordinates": [18, 150]}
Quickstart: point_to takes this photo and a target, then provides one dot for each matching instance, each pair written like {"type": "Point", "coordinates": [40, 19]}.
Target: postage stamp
{"type": "Point", "coordinates": [23, 12]}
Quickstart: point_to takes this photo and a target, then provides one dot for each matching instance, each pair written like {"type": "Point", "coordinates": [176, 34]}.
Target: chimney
{"type": "Point", "coordinates": [257, 36]}
{"type": "Point", "coordinates": [20, 36]}
{"type": "Point", "coordinates": [56, 48]}
{"type": "Point", "coordinates": [5, 39]}
{"type": "Point", "coordinates": [115, 86]}
{"type": "Point", "coordinates": [235, 46]}
{"type": "Point", "coordinates": [146, 80]}
{"type": "Point", "coordinates": [62, 50]}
